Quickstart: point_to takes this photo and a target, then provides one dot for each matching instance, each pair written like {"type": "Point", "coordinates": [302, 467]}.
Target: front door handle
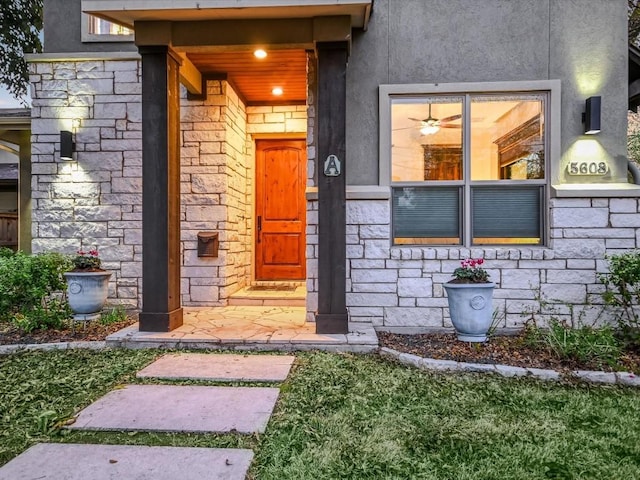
{"type": "Point", "coordinates": [259, 227]}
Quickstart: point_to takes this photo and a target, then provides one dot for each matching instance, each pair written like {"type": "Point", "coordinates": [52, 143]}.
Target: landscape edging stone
{"type": "Point", "coordinates": [621, 378]}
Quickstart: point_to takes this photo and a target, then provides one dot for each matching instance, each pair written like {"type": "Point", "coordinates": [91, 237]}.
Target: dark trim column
{"type": "Point", "coordinates": [161, 310]}
{"type": "Point", "coordinates": [331, 107]}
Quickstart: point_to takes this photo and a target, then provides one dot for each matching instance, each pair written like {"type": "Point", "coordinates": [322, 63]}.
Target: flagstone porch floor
{"type": "Point", "coordinates": [248, 328]}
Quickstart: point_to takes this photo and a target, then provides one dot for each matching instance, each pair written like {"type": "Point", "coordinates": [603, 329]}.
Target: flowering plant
{"type": "Point", "coordinates": [470, 271]}
{"type": "Point", "coordinates": [87, 261]}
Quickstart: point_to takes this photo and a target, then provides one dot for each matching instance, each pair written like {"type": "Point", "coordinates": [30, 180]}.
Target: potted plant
{"type": "Point", "coordinates": [87, 285]}
{"type": "Point", "coordinates": [470, 296]}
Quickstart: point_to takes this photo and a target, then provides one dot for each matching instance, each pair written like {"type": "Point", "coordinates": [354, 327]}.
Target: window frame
{"type": "Point", "coordinates": [551, 88]}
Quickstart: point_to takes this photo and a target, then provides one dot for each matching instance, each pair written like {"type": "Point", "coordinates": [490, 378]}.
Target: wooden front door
{"type": "Point", "coordinates": [280, 209]}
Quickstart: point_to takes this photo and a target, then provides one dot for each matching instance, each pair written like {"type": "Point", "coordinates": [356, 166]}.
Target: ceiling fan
{"type": "Point", "coordinates": [431, 125]}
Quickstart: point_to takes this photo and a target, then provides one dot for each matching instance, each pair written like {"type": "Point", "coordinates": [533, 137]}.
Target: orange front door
{"type": "Point", "coordinates": [280, 209]}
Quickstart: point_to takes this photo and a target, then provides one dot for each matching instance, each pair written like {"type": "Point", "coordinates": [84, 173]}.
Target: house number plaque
{"type": "Point", "coordinates": [332, 166]}
{"type": "Point", "coordinates": [587, 168]}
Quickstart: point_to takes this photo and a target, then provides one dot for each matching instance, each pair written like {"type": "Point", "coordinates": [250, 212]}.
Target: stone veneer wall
{"type": "Point", "coordinates": [218, 184]}
{"type": "Point", "coordinates": [400, 288]}
{"type": "Point", "coordinates": [312, 201]}
{"type": "Point", "coordinates": [215, 194]}
{"type": "Point", "coordinates": [96, 200]}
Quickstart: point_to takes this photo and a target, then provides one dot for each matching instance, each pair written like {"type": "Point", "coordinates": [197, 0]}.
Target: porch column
{"type": "Point", "coordinates": [331, 105]}
{"type": "Point", "coordinates": [161, 310]}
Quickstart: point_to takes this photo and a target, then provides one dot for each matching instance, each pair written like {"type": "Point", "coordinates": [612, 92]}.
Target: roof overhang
{"type": "Point", "coordinates": [130, 11]}
{"type": "Point", "coordinates": [15, 119]}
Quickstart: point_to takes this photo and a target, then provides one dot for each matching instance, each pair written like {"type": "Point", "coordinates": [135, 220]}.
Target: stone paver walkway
{"type": "Point", "coordinates": [57, 461]}
{"type": "Point", "coordinates": [248, 328]}
{"type": "Point", "coordinates": [165, 408]}
{"type": "Point", "coordinates": [180, 408]}
{"type": "Point", "coordinates": [224, 367]}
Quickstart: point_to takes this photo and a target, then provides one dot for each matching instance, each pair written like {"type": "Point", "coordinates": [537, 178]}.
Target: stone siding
{"type": "Point", "coordinates": [96, 200]}
{"type": "Point", "coordinates": [400, 288]}
{"type": "Point", "coordinates": [218, 184]}
{"type": "Point", "coordinates": [312, 204]}
{"type": "Point", "coordinates": [214, 187]}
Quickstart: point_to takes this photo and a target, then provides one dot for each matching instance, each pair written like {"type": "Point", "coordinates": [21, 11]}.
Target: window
{"type": "Point", "coordinates": [467, 167]}
{"type": "Point", "coordinates": [96, 29]}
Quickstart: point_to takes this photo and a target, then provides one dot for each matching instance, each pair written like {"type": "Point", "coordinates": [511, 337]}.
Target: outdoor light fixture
{"type": "Point", "coordinates": [67, 145]}
{"type": "Point", "coordinates": [277, 91]}
{"type": "Point", "coordinates": [260, 53]}
{"type": "Point", "coordinates": [591, 116]}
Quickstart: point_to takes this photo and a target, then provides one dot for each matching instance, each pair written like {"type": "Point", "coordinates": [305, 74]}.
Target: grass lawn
{"type": "Point", "coordinates": [350, 416]}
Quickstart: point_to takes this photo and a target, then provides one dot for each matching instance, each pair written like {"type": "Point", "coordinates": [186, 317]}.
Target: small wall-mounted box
{"type": "Point", "coordinates": [208, 244]}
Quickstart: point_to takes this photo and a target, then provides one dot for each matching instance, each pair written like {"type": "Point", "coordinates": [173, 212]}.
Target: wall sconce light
{"type": "Point", "coordinates": [591, 116]}
{"type": "Point", "coordinates": [67, 145]}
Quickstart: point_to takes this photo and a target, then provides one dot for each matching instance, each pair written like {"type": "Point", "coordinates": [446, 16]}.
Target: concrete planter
{"type": "Point", "coordinates": [87, 292]}
{"type": "Point", "coordinates": [471, 309]}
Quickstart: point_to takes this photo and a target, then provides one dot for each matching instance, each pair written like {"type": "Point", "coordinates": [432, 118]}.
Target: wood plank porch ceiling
{"type": "Point", "coordinates": [254, 79]}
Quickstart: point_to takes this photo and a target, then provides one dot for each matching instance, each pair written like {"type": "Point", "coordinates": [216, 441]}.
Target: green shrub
{"type": "Point", "coordinates": [623, 292]}
{"type": "Point", "coordinates": [585, 344]}
{"type": "Point", "coordinates": [113, 315]}
{"type": "Point", "coordinates": [633, 146]}
{"type": "Point", "coordinates": [31, 289]}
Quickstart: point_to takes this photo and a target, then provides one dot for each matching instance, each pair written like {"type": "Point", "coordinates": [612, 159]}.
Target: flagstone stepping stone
{"type": "Point", "coordinates": [180, 408]}
{"type": "Point", "coordinates": [216, 367]}
{"type": "Point", "coordinates": [56, 461]}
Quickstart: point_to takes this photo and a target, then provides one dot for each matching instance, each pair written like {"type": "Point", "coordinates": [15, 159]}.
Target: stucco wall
{"type": "Point", "coordinates": [63, 30]}
{"type": "Point", "coordinates": [581, 42]}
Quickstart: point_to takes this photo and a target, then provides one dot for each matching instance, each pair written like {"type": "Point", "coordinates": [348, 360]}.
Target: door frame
{"type": "Point", "coordinates": [256, 137]}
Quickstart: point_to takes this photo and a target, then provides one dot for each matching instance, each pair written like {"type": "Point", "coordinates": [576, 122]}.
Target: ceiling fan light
{"type": "Point", "coordinates": [429, 129]}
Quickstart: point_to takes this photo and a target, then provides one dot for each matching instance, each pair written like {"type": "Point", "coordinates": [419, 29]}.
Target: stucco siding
{"type": "Point", "coordinates": [63, 30]}
{"type": "Point", "coordinates": [580, 42]}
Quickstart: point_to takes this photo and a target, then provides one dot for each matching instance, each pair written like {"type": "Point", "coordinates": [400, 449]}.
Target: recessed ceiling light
{"type": "Point", "coordinates": [260, 53]}
{"type": "Point", "coordinates": [277, 91]}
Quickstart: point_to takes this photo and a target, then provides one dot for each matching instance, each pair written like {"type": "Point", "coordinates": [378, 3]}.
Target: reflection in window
{"type": "Point", "coordinates": [507, 137]}
{"type": "Point", "coordinates": [426, 139]}
{"type": "Point", "coordinates": [98, 26]}
{"type": "Point", "coordinates": [495, 159]}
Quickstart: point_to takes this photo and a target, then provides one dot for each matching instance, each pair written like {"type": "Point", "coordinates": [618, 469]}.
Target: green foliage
{"type": "Point", "coordinates": [633, 12]}
{"type": "Point", "coordinates": [633, 146]}
{"type": "Point", "coordinates": [114, 315]}
{"type": "Point", "coordinates": [20, 26]}
{"type": "Point", "coordinates": [623, 293]}
{"type": "Point", "coordinates": [39, 391]}
{"type": "Point", "coordinates": [585, 344]}
{"type": "Point", "coordinates": [30, 289]}
{"type": "Point", "coordinates": [356, 417]}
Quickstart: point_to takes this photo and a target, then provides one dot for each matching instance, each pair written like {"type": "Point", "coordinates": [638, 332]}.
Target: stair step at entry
{"type": "Point", "coordinates": [270, 294]}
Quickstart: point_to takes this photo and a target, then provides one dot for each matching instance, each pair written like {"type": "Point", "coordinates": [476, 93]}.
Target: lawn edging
{"type": "Point", "coordinates": [621, 378]}
{"type": "Point", "coordinates": [21, 347]}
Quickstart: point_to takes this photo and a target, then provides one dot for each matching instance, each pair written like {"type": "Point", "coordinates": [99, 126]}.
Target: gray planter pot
{"type": "Point", "coordinates": [471, 309]}
{"type": "Point", "coordinates": [87, 292]}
